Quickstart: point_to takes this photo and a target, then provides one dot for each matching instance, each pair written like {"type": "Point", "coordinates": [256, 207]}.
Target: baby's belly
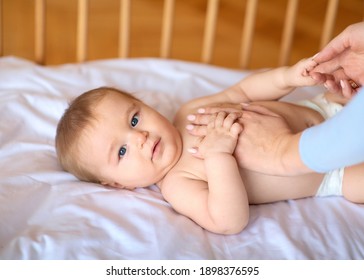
{"type": "Point", "coordinates": [262, 188]}
{"type": "Point", "coordinates": [298, 117]}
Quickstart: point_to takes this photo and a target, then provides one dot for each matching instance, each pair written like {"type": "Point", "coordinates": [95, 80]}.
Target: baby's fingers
{"type": "Point", "coordinates": [231, 119]}
{"type": "Point", "coordinates": [217, 120]}
{"type": "Point", "coordinates": [236, 129]}
{"type": "Point", "coordinates": [310, 64]}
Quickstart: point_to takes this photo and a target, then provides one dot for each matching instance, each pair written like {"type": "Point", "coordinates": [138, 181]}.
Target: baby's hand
{"type": "Point", "coordinates": [299, 74]}
{"type": "Point", "coordinates": [307, 64]}
{"type": "Point", "coordinates": [222, 135]}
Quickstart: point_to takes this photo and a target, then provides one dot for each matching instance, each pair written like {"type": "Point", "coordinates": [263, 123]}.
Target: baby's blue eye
{"type": "Point", "coordinates": [134, 120]}
{"type": "Point", "coordinates": [122, 151]}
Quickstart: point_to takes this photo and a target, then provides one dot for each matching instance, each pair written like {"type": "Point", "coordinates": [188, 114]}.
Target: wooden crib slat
{"type": "Point", "coordinates": [209, 32]}
{"type": "Point", "coordinates": [82, 30]}
{"type": "Point", "coordinates": [288, 32]}
{"type": "Point", "coordinates": [248, 31]}
{"type": "Point", "coordinates": [124, 28]}
{"type": "Point", "coordinates": [167, 26]}
{"type": "Point", "coordinates": [39, 51]}
{"type": "Point", "coordinates": [329, 24]}
{"type": "Point", "coordinates": [14, 43]}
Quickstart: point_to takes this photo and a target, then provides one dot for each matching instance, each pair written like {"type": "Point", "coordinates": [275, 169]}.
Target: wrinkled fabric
{"type": "Point", "coordinates": [46, 213]}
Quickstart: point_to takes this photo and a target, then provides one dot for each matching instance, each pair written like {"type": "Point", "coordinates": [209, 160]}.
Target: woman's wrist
{"type": "Point", "coordinates": [291, 163]}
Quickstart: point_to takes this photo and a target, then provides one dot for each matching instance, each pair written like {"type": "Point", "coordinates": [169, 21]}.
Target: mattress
{"type": "Point", "coordinates": [46, 213]}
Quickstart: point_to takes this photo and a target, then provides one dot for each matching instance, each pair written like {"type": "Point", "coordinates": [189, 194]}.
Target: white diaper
{"type": "Point", "coordinates": [320, 104]}
{"type": "Point", "coordinates": [332, 182]}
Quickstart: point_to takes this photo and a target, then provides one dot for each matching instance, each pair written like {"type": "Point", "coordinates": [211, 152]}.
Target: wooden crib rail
{"type": "Point", "coordinates": [167, 32]}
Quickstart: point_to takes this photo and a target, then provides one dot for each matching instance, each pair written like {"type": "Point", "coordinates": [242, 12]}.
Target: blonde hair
{"type": "Point", "coordinates": [73, 123]}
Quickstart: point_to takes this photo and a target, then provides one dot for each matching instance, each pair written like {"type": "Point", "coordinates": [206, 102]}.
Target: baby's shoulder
{"type": "Point", "coordinates": [191, 106]}
{"type": "Point", "coordinates": [178, 179]}
{"type": "Point", "coordinates": [172, 184]}
{"type": "Point", "coordinates": [187, 107]}
{"type": "Point", "coordinates": [176, 176]}
{"type": "Point", "coordinates": [179, 189]}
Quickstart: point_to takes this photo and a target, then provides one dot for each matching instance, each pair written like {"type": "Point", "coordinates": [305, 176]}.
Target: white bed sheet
{"type": "Point", "coordinates": [45, 213]}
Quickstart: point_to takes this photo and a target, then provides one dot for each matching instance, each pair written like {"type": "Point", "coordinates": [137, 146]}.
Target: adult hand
{"type": "Point", "coordinates": [264, 145]}
{"type": "Point", "coordinates": [340, 63]}
{"type": "Point", "coordinates": [198, 122]}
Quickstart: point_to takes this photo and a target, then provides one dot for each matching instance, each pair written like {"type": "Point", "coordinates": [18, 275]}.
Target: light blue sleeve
{"type": "Point", "coordinates": [337, 142]}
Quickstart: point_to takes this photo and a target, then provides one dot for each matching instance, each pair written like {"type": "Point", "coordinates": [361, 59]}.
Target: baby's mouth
{"type": "Point", "coordinates": [155, 148]}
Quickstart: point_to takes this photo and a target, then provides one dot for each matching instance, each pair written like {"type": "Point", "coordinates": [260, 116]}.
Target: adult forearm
{"type": "Point", "coordinates": [338, 142]}
{"type": "Point", "coordinates": [291, 163]}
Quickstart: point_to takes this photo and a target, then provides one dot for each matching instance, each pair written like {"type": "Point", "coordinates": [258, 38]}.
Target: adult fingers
{"type": "Point", "coordinates": [347, 88]}
{"type": "Point", "coordinates": [226, 107]}
{"type": "Point", "coordinates": [333, 86]}
{"type": "Point", "coordinates": [328, 66]}
{"type": "Point", "coordinates": [321, 77]}
{"type": "Point", "coordinates": [199, 119]}
{"type": "Point", "coordinates": [195, 152]}
{"type": "Point", "coordinates": [259, 110]}
{"type": "Point", "coordinates": [196, 130]}
{"type": "Point", "coordinates": [203, 119]}
{"type": "Point", "coordinates": [334, 47]}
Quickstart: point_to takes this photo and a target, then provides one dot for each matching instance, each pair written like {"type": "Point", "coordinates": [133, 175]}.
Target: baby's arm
{"type": "Point", "coordinates": [219, 205]}
{"type": "Point", "coordinates": [272, 84]}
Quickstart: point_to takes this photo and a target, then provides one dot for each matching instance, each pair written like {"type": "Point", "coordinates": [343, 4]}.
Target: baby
{"type": "Point", "coordinates": [110, 137]}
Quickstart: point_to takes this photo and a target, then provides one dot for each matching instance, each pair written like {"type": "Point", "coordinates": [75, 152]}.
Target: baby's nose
{"type": "Point", "coordinates": [141, 137]}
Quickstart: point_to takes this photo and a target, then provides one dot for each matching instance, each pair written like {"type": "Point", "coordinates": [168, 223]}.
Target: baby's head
{"type": "Point", "coordinates": [108, 136]}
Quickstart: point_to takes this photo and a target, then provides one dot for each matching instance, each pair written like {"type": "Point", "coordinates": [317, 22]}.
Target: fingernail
{"type": "Point", "coordinates": [342, 84]}
{"type": "Point", "coordinates": [192, 150]}
{"type": "Point", "coordinates": [201, 110]}
{"type": "Point", "coordinates": [189, 127]}
{"type": "Point", "coordinates": [245, 104]}
{"type": "Point", "coordinates": [191, 117]}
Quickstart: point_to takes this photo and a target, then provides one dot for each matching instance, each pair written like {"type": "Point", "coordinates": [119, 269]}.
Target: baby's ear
{"type": "Point", "coordinates": [113, 185]}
